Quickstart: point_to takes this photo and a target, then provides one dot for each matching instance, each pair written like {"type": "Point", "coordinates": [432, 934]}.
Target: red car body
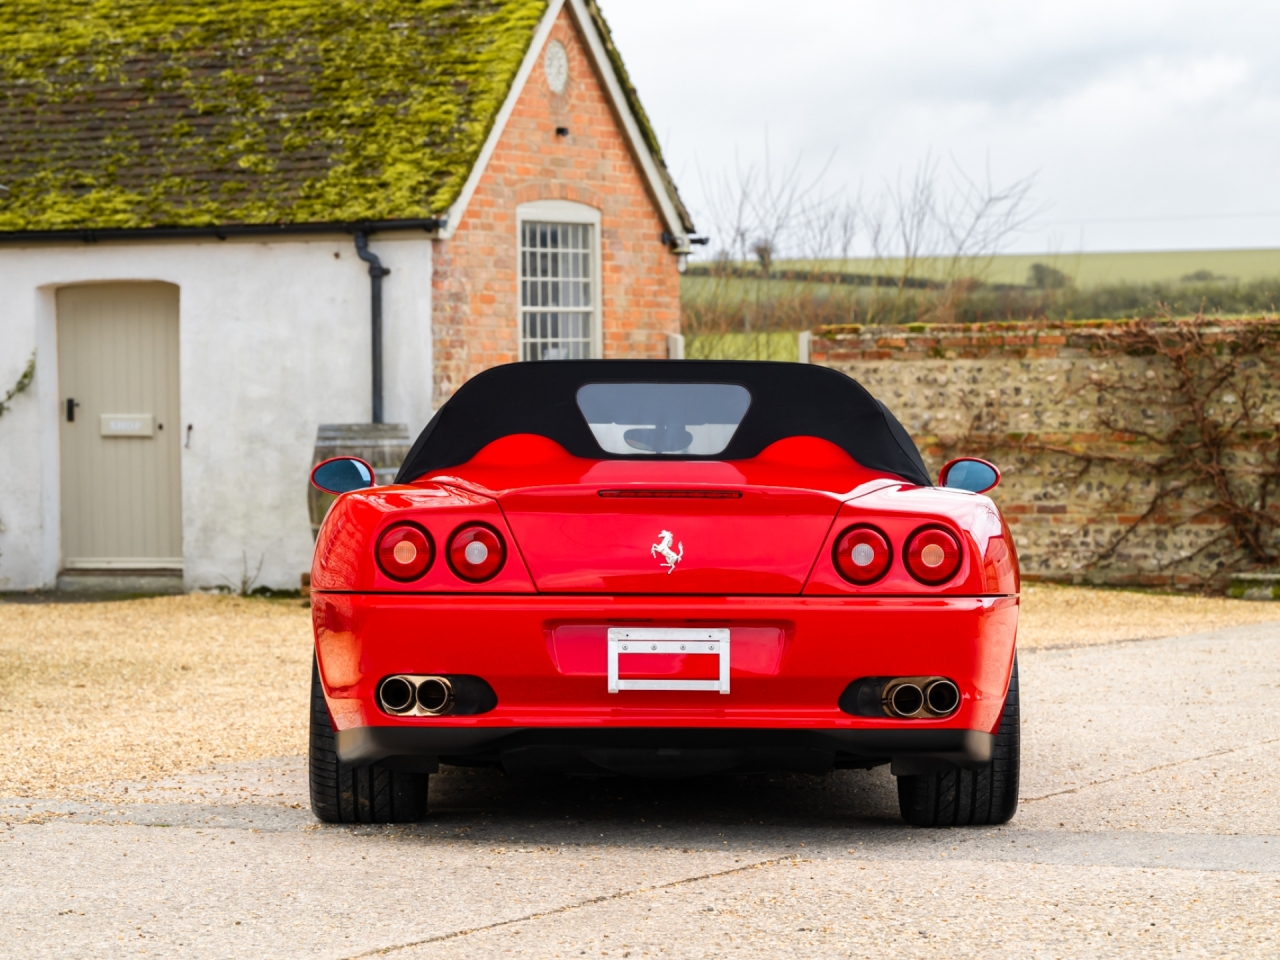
{"type": "Point", "coordinates": [583, 542]}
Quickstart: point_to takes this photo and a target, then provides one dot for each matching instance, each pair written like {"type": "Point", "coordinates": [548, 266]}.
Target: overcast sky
{"type": "Point", "coordinates": [1148, 125]}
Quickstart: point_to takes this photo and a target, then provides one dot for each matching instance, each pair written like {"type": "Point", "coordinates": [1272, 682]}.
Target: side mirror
{"type": "Point", "coordinates": [342, 475]}
{"type": "Point", "coordinates": [969, 473]}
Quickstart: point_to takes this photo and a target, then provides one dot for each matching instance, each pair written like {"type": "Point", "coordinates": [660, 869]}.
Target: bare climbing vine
{"type": "Point", "coordinates": [1196, 428]}
{"type": "Point", "coordinates": [25, 380]}
{"type": "Point", "coordinates": [1205, 430]}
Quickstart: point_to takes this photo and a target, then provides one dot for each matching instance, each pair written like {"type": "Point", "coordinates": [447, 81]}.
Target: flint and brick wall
{"type": "Point", "coordinates": [1006, 393]}
{"type": "Point", "coordinates": [476, 277]}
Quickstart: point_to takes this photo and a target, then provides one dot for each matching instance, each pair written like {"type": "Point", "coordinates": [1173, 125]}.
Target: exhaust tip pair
{"type": "Point", "coordinates": [911, 697]}
{"type": "Point", "coordinates": [406, 695]}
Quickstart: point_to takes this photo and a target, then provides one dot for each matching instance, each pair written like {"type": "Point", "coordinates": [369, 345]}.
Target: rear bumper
{"type": "Point", "coordinates": [544, 657]}
{"type": "Point", "coordinates": [666, 750]}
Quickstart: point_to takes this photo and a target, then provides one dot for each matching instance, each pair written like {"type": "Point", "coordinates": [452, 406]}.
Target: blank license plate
{"type": "Point", "coordinates": [637, 641]}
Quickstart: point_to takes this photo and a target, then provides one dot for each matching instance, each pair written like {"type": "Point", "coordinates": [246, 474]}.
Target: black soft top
{"type": "Point", "coordinates": [787, 400]}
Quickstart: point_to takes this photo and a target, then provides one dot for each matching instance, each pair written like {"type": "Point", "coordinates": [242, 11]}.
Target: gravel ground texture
{"type": "Point", "coordinates": [170, 684]}
{"type": "Point", "coordinates": [1056, 616]}
{"type": "Point", "coordinates": [93, 693]}
{"type": "Point", "coordinates": [1147, 828]}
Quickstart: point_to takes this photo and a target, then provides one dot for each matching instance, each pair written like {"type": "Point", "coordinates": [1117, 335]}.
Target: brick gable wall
{"type": "Point", "coordinates": [475, 287]}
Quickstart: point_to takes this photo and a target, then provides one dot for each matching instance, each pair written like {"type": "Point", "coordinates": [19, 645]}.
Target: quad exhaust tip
{"type": "Point", "coordinates": [409, 695]}
{"type": "Point", "coordinates": [905, 700]}
{"type": "Point", "coordinates": [913, 697]}
{"type": "Point", "coordinates": [942, 697]}
{"type": "Point", "coordinates": [435, 695]}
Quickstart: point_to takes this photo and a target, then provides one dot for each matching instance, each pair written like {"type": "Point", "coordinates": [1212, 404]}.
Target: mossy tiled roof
{"type": "Point", "coordinates": [140, 113]}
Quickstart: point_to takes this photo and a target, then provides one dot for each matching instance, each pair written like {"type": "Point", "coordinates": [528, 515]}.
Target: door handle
{"type": "Point", "coordinates": [72, 403]}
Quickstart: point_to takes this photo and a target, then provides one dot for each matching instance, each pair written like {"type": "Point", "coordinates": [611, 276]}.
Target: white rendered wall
{"type": "Point", "coordinates": [274, 340]}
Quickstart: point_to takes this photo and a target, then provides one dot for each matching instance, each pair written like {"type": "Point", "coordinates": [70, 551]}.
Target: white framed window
{"type": "Point", "coordinates": [559, 280]}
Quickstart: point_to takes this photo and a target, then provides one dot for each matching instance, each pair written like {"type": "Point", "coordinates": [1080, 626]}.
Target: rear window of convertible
{"type": "Point", "coordinates": [690, 419]}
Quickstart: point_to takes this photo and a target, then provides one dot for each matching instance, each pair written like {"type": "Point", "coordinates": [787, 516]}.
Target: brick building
{"type": "Point", "coordinates": [199, 205]}
{"type": "Point", "coordinates": [571, 146]}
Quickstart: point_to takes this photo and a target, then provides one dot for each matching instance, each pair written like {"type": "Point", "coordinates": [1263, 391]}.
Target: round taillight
{"type": "Point", "coordinates": [862, 555]}
{"type": "Point", "coordinates": [476, 552]}
{"type": "Point", "coordinates": [405, 552]}
{"type": "Point", "coordinates": [933, 555]}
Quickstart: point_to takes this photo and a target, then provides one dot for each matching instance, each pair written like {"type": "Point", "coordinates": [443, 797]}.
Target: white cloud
{"type": "Point", "coordinates": [1151, 124]}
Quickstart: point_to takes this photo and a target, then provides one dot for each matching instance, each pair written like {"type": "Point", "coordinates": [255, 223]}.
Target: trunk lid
{"type": "Point", "coordinates": [689, 540]}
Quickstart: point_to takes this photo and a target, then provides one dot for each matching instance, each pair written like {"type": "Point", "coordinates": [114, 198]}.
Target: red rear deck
{"type": "Point", "coordinates": [545, 656]}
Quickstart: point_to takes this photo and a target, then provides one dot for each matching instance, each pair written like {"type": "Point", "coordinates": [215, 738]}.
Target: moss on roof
{"type": "Point", "coordinates": [140, 113]}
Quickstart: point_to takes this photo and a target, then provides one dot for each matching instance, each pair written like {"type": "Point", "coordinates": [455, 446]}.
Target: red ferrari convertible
{"type": "Point", "coordinates": [664, 569]}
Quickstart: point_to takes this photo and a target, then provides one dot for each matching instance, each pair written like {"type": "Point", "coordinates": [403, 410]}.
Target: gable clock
{"type": "Point", "coordinates": [555, 64]}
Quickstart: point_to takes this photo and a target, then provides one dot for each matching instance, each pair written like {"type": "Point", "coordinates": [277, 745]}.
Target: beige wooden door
{"type": "Point", "coordinates": [120, 430]}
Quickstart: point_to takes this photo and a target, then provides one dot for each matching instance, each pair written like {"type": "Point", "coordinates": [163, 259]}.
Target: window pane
{"type": "Point", "coordinates": [655, 418]}
{"type": "Point", "coordinates": [555, 273]}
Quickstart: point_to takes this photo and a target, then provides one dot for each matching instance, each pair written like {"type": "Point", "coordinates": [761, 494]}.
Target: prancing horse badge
{"type": "Point", "coordinates": [669, 557]}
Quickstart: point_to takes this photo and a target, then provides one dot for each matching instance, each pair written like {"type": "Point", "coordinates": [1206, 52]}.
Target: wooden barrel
{"type": "Point", "coordinates": [382, 445]}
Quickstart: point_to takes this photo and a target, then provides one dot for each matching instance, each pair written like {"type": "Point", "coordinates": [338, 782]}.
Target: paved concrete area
{"type": "Point", "coordinates": [1149, 825]}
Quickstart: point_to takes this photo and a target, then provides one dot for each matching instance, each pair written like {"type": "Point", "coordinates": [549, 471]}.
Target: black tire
{"type": "Point", "coordinates": [965, 798]}
{"type": "Point", "coordinates": [342, 793]}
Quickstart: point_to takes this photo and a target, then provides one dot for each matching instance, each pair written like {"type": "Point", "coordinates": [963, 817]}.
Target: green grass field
{"type": "Point", "coordinates": [780, 345]}
{"type": "Point", "coordinates": [803, 294]}
{"type": "Point", "coordinates": [1085, 269]}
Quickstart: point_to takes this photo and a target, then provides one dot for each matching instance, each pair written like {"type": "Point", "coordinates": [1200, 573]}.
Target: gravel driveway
{"type": "Point", "coordinates": [1149, 826]}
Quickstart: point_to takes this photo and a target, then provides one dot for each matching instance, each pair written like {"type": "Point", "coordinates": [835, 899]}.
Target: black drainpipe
{"type": "Point", "coordinates": [361, 229]}
{"type": "Point", "coordinates": [376, 272]}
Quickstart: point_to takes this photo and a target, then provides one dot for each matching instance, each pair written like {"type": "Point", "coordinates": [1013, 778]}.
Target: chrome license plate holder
{"type": "Point", "coordinates": [668, 640]}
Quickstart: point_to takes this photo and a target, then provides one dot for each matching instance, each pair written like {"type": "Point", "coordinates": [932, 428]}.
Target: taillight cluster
{"type": "Point", "coordinates": [476, 552]}
{"type": "Point", "coordinates": [933, 555]}
{"type": "Point", "coordinates": [405, 551]}
{"type": "Point", "coordinates": [863, 554]}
